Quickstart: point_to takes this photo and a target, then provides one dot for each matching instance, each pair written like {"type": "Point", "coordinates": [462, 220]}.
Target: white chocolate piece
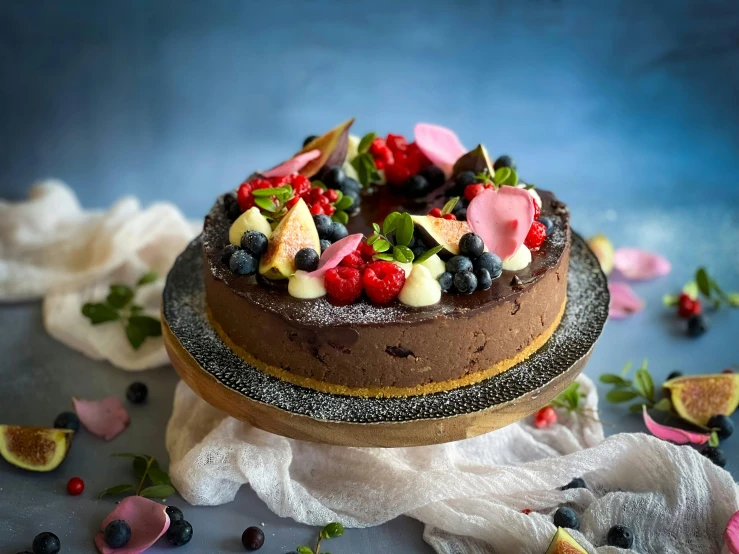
{"type": "Point", "coordinates": [302, 285]}
{"type": "Point", "coordinates": [532, 192]}
{"type": "Point", "coordinates": [520, 259]}
{"type": "Point", "coordinates": [435, 265]}
{"type": "Point", "coordinates": [405, 267]}
{"type": "Point", "coordinates": [420, 288]}
{"type": "Point", "coordinates": [251, 220]}
{"type": "Point", "coordinates": [349, 171]}
{"type": "Point", "coordinates": [352, 147]}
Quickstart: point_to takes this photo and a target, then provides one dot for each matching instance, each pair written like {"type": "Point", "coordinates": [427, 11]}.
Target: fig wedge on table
{"type": "Point", "coordinates": [563, 543]}
{"type": "Point", "coordinates": [332, 146]}
{"type": "Point", "coordinates": [34, 448]}
{"type": "Point", "coordinates": [697, 398]}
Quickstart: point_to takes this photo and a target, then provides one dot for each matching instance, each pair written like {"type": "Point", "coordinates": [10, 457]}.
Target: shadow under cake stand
{"type": "Point", "coordinates": [234, 386]}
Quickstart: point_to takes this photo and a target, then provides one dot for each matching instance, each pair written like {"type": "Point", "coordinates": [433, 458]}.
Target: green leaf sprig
{"type": "Point", "coordinates": [342, 203]}
{"type": "Point", "coordinates": [570, 400]}
{"type": "Point", "coordinates": [706, 286]}
{"type": "Point", "coordinates": [364, 163]}
{"type": "Point", "coordinates": [504, 176]}
{"type": "Point", "coordinates": [641, 387]}
{"type": "Point", "coordinates": [153, 480]}
{"type": "Point", "coordinates": [272, 202]}
{"type": "Point", "coordinates": [118, 306]}
{"type": "Point", "coordinates": [334, 529]}
{"type": "Point", "coordinates": [393, 250]}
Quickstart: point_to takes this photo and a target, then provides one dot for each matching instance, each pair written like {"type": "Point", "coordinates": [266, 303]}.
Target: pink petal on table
{"type": "Point", "coordinates": [673, 434]}
{"type": "Point", "coordinates": [293, 165]}
{"type": "Point", "coordinates": [624, 301]}
{"type": "Point", "coordinates": [638, 265]}
{"type": "Point", "coordinates": [440, 145]}
{"type": "Point", "coordinates": [731, 534]}
{"type": "Point", "coordinates": [502, 218]}
{"type": "Point", "coordinates": [106, 418]}
{"type": "Point", "coordinates": [335, 253]}
{"type": "Point", "coordinates": [147, 519]}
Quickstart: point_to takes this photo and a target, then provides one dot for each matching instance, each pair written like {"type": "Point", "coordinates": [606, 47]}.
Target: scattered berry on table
{"type": "Point", "coordinates": [491, 262]}
{"type": "Point", "coordinates": [471, 191]}
{"type": "Point", "coordinates": [252, 538]}
{"type": "Point", "coordinates": [727, 370]}
{"type": "Point", "coordinates": [434, 175]}
{"type": "Point", "coordinates": [715, 454]}
{"type": "Point", "coordinates": [687, 306]}
{"type": "Point", "coordinates": [324, 244]}
{"type": "Point", "coordinates": [674, 375]}
{"type": "Point", "coordinates": [723, 426]}
{"type": "Point", "coordinates": [526, 511]}
{"type": "Point", "coordinates": [548, 224]}
{"type": "Point", "coordinates": [455, 264]}
{"type": "Point", "coordinates": [620, 537]}
{"type": "Point", "coordinates": [228, 252]}
{"type": "Point", "coordinates": [254, 242]}
{"type": "Point", "coordinates": [471, 245]}
{"type": "Point", "coordinates": [46, 543]}
{"type": "Point", "coordinates": [416, 185]}
{"type": "Point", "coordinates": [576, 483]}
{"type": "Point", "coordinates": [382, 281]}
{"type": "Point", "coordinates": [567, 518]}
{"type": "Point", "coordinates": [435, 212]}
{"type": "Point", "coordinates": [484, 281]}
{"type": "Point", "coordinates": [117, 533]}
{"type": "Point", "coordinates": [355, 260]}
{"type": "Point", "coordinates": [75, 486]}
{"type": "Point", "coordinates": [545, 417]}
{"type": "Point", "coordinates": [697, 325]}
{"type": "Point", "coordinates": [334, 177]}
{"type": "Point", "coordinates": [306, 259]}
{"type": "Point", "coordinates": [179, 532]}
{"type": "Point", "coordinates": [504, 161]}
{"type": "Point", "coordinates": [537, 234]}
{"type": "Point", "coordinates": [343, 284]}
{"type": "Point", "coordinates": [323, 225]}
{"type": "Point", "coordinates": [137, 392]}
{"type": "Point", "coordinates": [309, 139]}
{"type": "Point", "coordinates": [446, 280]}
{"type": "Point", "coordinates": [243, 263]}
{"type": "Point", "coordinates": [465, 282]}
{"type": "Point", "coordinates": [67, 420]}
{"type": "Point", "coordinates": [174, 513]}
{"type": "Point", "coordinates": [338, 231]}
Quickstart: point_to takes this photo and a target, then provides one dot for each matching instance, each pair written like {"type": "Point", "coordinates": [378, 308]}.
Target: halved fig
{"type": "Point", "coordinates": [34, 448]}
{"type": "Point", "coordinates": [699, 397]}
{"type": "Point", "coordinates": [332, 146]}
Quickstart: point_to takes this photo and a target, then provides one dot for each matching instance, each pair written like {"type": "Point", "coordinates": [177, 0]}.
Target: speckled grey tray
{"type": "Point", "coordinates": [583, 320]}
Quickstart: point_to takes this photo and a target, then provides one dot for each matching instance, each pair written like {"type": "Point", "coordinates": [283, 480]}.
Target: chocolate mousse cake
{"type": "Point", "coordinates": [380, 267]}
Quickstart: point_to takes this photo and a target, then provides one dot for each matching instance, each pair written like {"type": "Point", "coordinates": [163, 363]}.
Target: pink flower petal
{"type": "Point", "coordinates": [502, 218]}
{"type": "Point", "coordinates": [147, 519]}
{"type": "Point", "coordinates": [638, 265]}
{"type": "Point", "coordinates": [335, 253]}
{"type": "Point", "coordinates": [624, 301]}
{"type": "Point", "coordinates": [731, 534]}
{"type": "Point", "coordinates": [106, 418]}
{"type": "Point", "coordinates": [440, 145]}
{"type": "Point", "coordinates": [673, 434]}
{"type": "Point", "coordinates": [293, 165]}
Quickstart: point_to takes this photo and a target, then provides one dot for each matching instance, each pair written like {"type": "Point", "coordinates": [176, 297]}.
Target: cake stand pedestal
{"type": "Point", "coordinates": [232, 385]}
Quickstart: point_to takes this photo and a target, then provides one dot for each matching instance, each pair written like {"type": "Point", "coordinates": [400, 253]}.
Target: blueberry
{"type": "Point", "coordinates": [576, 483]}
{"type": "Point", "coordinates": [460, 213]}
{"type": "Point", "coordinates": [416, 185]}
{"type": "Point", "coordinates": [504, 161]}
{"type": "Point", "coordinates": [255, 243]}
{"type": "Point", "coordinates": [324, 244]}
{"type": "Point", "coordinates": [243, 263]}
{"type": "Point", "coordinates": [174, 513]}
{"type": "Point", "coordinates": [674, 375]}
{"type": "Point", "coordinates": [46, 543]}
{"type": "Point", "coordinates": [231, 206]}
{"type": "Point", "coordinates": [464, 179]}
{"type": "Point", "coordinates": [465, 282]}
{"type": "Point", "coordinates": [117, 533]}
{"type": "Point", "coordinates": [137, 392]}
{"type": "Point", "coordinates": [334, 177]}
{"type": "Point", "coordinates": [697, 325]}
{"type": "Point", "coordinates": [567, 518]}
{"type": "Point", "coordinates": [338, 232]}
{"type": "Point", "coordinates": [491, 262]}
{"type": "Point", "coordinates": [308, 139]}
{"type": "Point", "coordinates": [446, 280]}
{"type": "Point", "coordinates": [350, 185]}
{"type": "Point", "coordinates": [323, 225]}
{"type": "Point", "coordinates": [418, 251]}
{"type": "Point", "coordinates": [715, 454]}
{"type": "Point", "coordinates": [456, 264]}
{"type": "Point", "coordinates": [306, 259]}
{"type": "Point", "coordinates": [548, 224]}
{"type": "Point", "coordinates": [471, 245]}
{"type": "Point", "coordinates": [620, 536]}
{"type": "Point", "coordinates": [252, 538]}
{"type": "Point", "coordinates": [484, 281]}
{"type": "Point", "coordinates": [179, 533]}
{"type": "Point", "coordinates": [67, 420]}
{"type": "Point", "coordinates": [723, 426]}
{"type": "Point", "coordinates": [434, 175]}
{"type": "Point", "coordinates": [228, 252]}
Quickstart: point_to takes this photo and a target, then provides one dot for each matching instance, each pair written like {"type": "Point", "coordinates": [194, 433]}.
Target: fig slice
{"type": "Point", "coordinates": [34, 448]}
{"type": "Point", "coordinates": [477, 161]}
{"type": "Point", "coordinates": [697, 398]}
{"type": "Point", "coordinates": [440, 231]}
{"type": "Point", "coordinates": [563, 543]}
{"type": "Point", "coordinates": [332, 146]}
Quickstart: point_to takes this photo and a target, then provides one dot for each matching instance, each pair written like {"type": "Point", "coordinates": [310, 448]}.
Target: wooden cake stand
{"type": "Point", "coordinates": [230, 384]}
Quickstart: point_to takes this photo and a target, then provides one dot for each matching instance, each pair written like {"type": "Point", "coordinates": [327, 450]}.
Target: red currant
{"type": "Point", "coordinates": [471, 191]}
{"type": "Point", "coordinates": [332, 195]}
{"type": "Point", "coordinates": [316, 193]}
{"type": "Point", "coordinates": [545, 417]}
{"type": "Point", "coordinates": [316, 209]}
{"type": "Point", "coordinates": [75, 486]}
{"type": "Point", "coordinates": [688, 307]}
{"type": "Point", "coordinates": [435, 212]}
{"type": "Point", "coordinates": [450, 217]}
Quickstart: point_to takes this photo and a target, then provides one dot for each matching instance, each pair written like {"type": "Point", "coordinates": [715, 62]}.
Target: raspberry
{"type": "Point", "coordinates": [257, 184]}
{"type": "Point", "coordinates": [343, 284]}
{"type": "Point", "coordinates": [398, 173]}
{"type": "Point", "coordinates": [435, 212]}
{"type": "Point", "coordinates": [471, 191]}
{"type": "Point", "coordinates": [316, 209]}
{"type": "Point", "coordinates": [300, 184]}
{"type": "Point", "coordinates": [545, 417]}
{"type": "Point", "coordinates": [290, 203]}
{"type": "Point", "coordinates": [417, 160]}
{"type": "Point", "coordinates": [382, 155]}
{"type": "Point", "coordinates": [355, 260]}
{"type": "Point", "coordinates": [450, 216]}
{"type": "Point", "coordinates": [396, 143]}
{"type": "Point", "coordinates": [367, 251]}
{"type": "Point", "coordinates": [687, 307]}
{"type": "Point", "coordinates": [537, 234]}
{"type": "Point", "coordinates": [383, 281]}
{"type": "Point", "coordinates": [537, 209]}
{"type": "Point", "coordinates": [332, 195]}
{"type": "Point", "coordinates": [244, 197]}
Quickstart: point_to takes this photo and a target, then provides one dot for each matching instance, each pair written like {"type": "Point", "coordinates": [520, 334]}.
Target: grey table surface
{"type": "Point", "coordinates": [626, 109]}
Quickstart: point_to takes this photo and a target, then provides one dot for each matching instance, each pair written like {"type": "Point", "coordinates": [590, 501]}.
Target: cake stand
{"type": "Point", "coordinates": [232, 385]}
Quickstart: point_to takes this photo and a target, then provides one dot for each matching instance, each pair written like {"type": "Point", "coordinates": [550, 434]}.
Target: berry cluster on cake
{"type": "Point", "coordinates": [380, 267]}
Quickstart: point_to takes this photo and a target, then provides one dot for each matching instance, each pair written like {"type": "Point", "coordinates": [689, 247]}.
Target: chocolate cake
{"type": "Point", "coordinates": [457, 316]}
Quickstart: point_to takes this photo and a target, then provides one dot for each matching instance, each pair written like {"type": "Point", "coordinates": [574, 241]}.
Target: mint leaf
{"type": "Point", "coordinates": [157, 491]}
{"type": "Point", "coordinates": [501, 174]}
{"type": "Point", "coordinates": [334, 529]}
{"type": "Point", "coordinates": [384, 257]}
{"type": "Point", "coordinates": [404, 230]}
{"type": "Point", "coordinates": [620, 395]}
{"type": "Point", "coordinates": [449, 206]}
{"type": "Point", "coordinates": [148, 277]}
{"type": "Point", "coordinates": [426, 255]}
{"type": "Point", "coordinates": [626, 368]}
{"type": "Point", "coordinates": [140, 327]}
{"type": "Point", "coordinates": [644, 383]}
{"type": "Point", "coordinates": [366, 142]}
{"type": "Point", "coordinates": [376, 228]}
{"type": "Point", "coordinates": [612, 379]}
{"type": "Point", "coordinates": [119, 296]}
{"type": "Point", "coordinates": [99, 312]}
{"type": "Point", "coordinates": [114, 491]}
{"type": "Point", "coordinates": [734, 299]}
{"type": "Point", "coordinates": [403, 254]}
{"type": "Point", "coordinates": [703, 282]}
{"type": "Point", "coordinates": [636, 408]}
{"type": "Point", "coordinates": [265, 203]}
{"type": "Point", "coordinates": [373, 239]}
{"type": "Point", "coordinates": [139, 467]}
{"type": "Point", "coordinates": [157, 475]}
{"type": "Point", "coordinates": [381, 245]}
{"type": "Point", "coordinates": [663, 405]}
{"type": "Point", "coordinates": [304, 550]}
{"type": "Point", "coordinates": [391, 223]}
